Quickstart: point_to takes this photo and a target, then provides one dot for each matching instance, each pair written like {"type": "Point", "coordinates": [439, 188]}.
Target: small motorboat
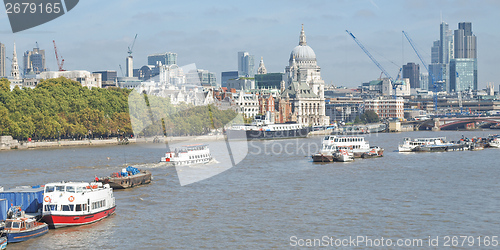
{"type": "Point", "coordinates": [20, 227]}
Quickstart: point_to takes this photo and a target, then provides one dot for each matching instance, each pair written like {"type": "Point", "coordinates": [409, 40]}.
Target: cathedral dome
{"type": "Point", "coordinates": [302, 52]}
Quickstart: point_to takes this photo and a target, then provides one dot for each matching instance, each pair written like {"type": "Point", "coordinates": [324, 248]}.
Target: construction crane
{"type": "Point", "coordinates": [132, 46]}
{"type": "Point", "coordinates": [431, 76]}
{"type": "Point", "coordinates": [59, 64]}
{"type": "Point", "coordinates": [121, 69]}
{"type": "Point", "coordinates": [392, 81]}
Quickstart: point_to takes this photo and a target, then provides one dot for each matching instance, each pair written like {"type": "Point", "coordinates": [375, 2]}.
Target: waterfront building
{"type": "Point", "coordinates": [412, 72]}
{"type": "Point", "coordinates": [248, 104]}
{"type": "Point", "coordinates": [34, 61]}
{"type": "Point", "coordinates": [386, 107]}
{"type": "Point", "coordinates": [167, 58]}
{"type": "Point", "coordinates": [227, 76]}
{"type": "Point", "coordinates": [304, 86]}
{"type": "Point", "coordinates": [2, 60]}
{"type": "Point", "coordinates": [246, 66]}
{"type": "Point", "coordinates": [344, 109]}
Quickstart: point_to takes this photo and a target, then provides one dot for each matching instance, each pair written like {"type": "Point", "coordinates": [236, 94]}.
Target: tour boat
{"type": "Point", "coordinates": [410, 145]}
{"type": "Point", "coordinates": [129, 177]}
{"type": "Point", "coordinates": [344, 155]}
{"type": "Point", "coordinates": [332, 143]}
{"type": "Point", "coordinates": [188, 155]}
{"type": "Point", "coordinates": [20, 227]}
{"type": "Point", "coordinates": [263, 128]}
{"type": "Point", "coordinates": [77, 203]}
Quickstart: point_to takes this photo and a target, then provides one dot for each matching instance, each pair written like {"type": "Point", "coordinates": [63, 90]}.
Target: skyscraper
{"type": "Point", "coordinates": [167, 58]}
{"type": "Point", "coordinates": [246, 67]}
{"type": "Point", "coordinates": [463, 68]}
{"type": "Point", "coordinates": [2, 60]}
{"type": "Point", "coordinates": [34, 61]}
{"type": "Point", "coordinates": [412, 72]}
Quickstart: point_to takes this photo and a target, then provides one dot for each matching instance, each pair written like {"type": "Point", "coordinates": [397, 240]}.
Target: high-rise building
{"type": "Point", "coordinates": [129, 66]}
{"type": "Point", "coordinates": [268, 80]}
{"type": "Point", "coordinates": [228, 75]}
{"type": "Point", "coordinates": [246, 67]}
{"type": "Point", "coordinates": [167, 58]}
{"type": "Point", "coordinates": [34, 61]}
{"type": "Point", "coordinates": [463, 68]}
{"type": "Point", "coordinates": [412, 72]}
{"type": "Point", "coordinates": [2, 60]}
{"type": "Point", "coordinates": [435, 52]}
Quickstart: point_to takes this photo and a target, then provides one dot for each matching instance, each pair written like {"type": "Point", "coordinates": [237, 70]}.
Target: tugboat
{"type": "Point", "coordinates": [77, 203]}
{"type": "Point", "coordinates": [19, 227]}
{"type": "Point", "coordinates": [188, 155]}
{"type": "Point", "coordinates": [129, 177]}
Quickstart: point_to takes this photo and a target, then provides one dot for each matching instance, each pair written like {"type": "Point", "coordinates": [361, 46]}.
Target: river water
{"type": "Point", "coordinates": [276, 197]}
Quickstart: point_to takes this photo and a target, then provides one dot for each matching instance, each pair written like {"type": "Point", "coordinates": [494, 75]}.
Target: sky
{"type": "Point", "coordinates": [95, 35]}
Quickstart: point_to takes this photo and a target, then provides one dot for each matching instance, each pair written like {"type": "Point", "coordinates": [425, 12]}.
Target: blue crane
{"type": "Point", "coordinates": [393, 82]}
{"type": "Point", "coordinates": [431, 76]}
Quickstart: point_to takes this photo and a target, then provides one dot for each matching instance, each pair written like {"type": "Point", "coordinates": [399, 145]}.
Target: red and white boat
{"type": "Point", "coordinates": [77, 203]}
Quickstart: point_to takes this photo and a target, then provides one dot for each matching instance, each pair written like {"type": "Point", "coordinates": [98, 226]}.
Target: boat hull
{"type": "Point", "coordinates": [127, 182]}
{"type": "Point", "coordinates": [322, 158]}
{"type": "Point", "coordinates": [57, 221]}
{"type": "Point", "coordinates": [263, 135]}
{"type": "Point", "coordinates": [3, 242]}
{"type": "Point", "coordinates": [25, 235]}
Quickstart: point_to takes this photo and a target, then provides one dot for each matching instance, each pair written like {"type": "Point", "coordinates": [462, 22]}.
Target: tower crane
{"type": "Point", "coordinates": [131, 47]}
{"type": "Point", "coordinates": [392, 81]}
{"type": "Point", "coordinates": [59, 64]}
{"type": "Point", "coordinates": [431, 75]}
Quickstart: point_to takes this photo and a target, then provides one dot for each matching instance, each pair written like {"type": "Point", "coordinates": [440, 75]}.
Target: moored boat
{"type": "Point", "coordinates": [374, 152]}
{"type": "Point", "coordinates": [494, 141]}
{"type": "Point", "coordinates": [344, 155]}
{"type": "Point", "coordinates": [263, 128]}
{"type": "Point", "coordinates": [410, 145]}
{"type": "Point", "coordinates": [3, 242]}
{"type": "Point", "coordinates": [188, 155]}
{"type": "Point", "coordinates": [77, 203]}
{"type": "Point", "coordinates": [20, 227]}
{"type": "Point", "coordinates": [129, 177]}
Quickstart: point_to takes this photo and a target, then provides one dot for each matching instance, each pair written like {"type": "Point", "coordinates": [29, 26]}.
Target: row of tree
{"type": "Point", "coordinates": [62, 108]}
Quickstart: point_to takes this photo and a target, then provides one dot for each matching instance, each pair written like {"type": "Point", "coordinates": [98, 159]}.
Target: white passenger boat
{"type": "Point", "coordinates": [77, 203]}
{"type": "Point", "coordinates": [410, 145]}
{"type": "Point", "coordinates": [333, 143]}
{"type": "Point", "coordinates": [188, 155]}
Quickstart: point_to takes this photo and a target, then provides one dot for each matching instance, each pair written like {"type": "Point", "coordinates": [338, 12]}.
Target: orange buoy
{"type": "Point", "coordinates": [46, 199]}
{"type": "Point", "coordinates": [71, 199]}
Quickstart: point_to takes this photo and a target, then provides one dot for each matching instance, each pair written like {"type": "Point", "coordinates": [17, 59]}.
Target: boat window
{"type": "Point", "coordinates": [79, 189]}
{"type": "Point", "coordinates": [70, 189]}
{"type": "Point", "coordinates": [65, 208]}
{"type": "Point", "coordinates": [16, 224]}
{"type": "Point", "coordinates": [60, 188]}
{"type": "Point", "coordinates": [78, 207]}
{"type": "Point", "coordinates": [49, 189]}
{"type": "Point", "coordinates": [8, 224]}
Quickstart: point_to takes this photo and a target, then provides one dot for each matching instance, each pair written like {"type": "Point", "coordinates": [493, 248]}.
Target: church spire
{"type": "Point", "coordinates": [262, 69]}
{"type": "Point", "coordinates": [302, 40]}
{"type": "Point", "coordinates": [14, 71]}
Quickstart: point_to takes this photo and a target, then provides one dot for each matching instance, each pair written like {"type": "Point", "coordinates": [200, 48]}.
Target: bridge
{"type": "Point", "coordinates": [454, 123]}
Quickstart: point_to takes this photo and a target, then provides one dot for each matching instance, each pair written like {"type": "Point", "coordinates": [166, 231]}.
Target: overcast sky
{"type": "Point", "coordinates": [95, 34]}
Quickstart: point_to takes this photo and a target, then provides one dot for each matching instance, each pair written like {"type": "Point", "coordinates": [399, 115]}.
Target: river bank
{"type": "Point", "coordinates": [8, 143]}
